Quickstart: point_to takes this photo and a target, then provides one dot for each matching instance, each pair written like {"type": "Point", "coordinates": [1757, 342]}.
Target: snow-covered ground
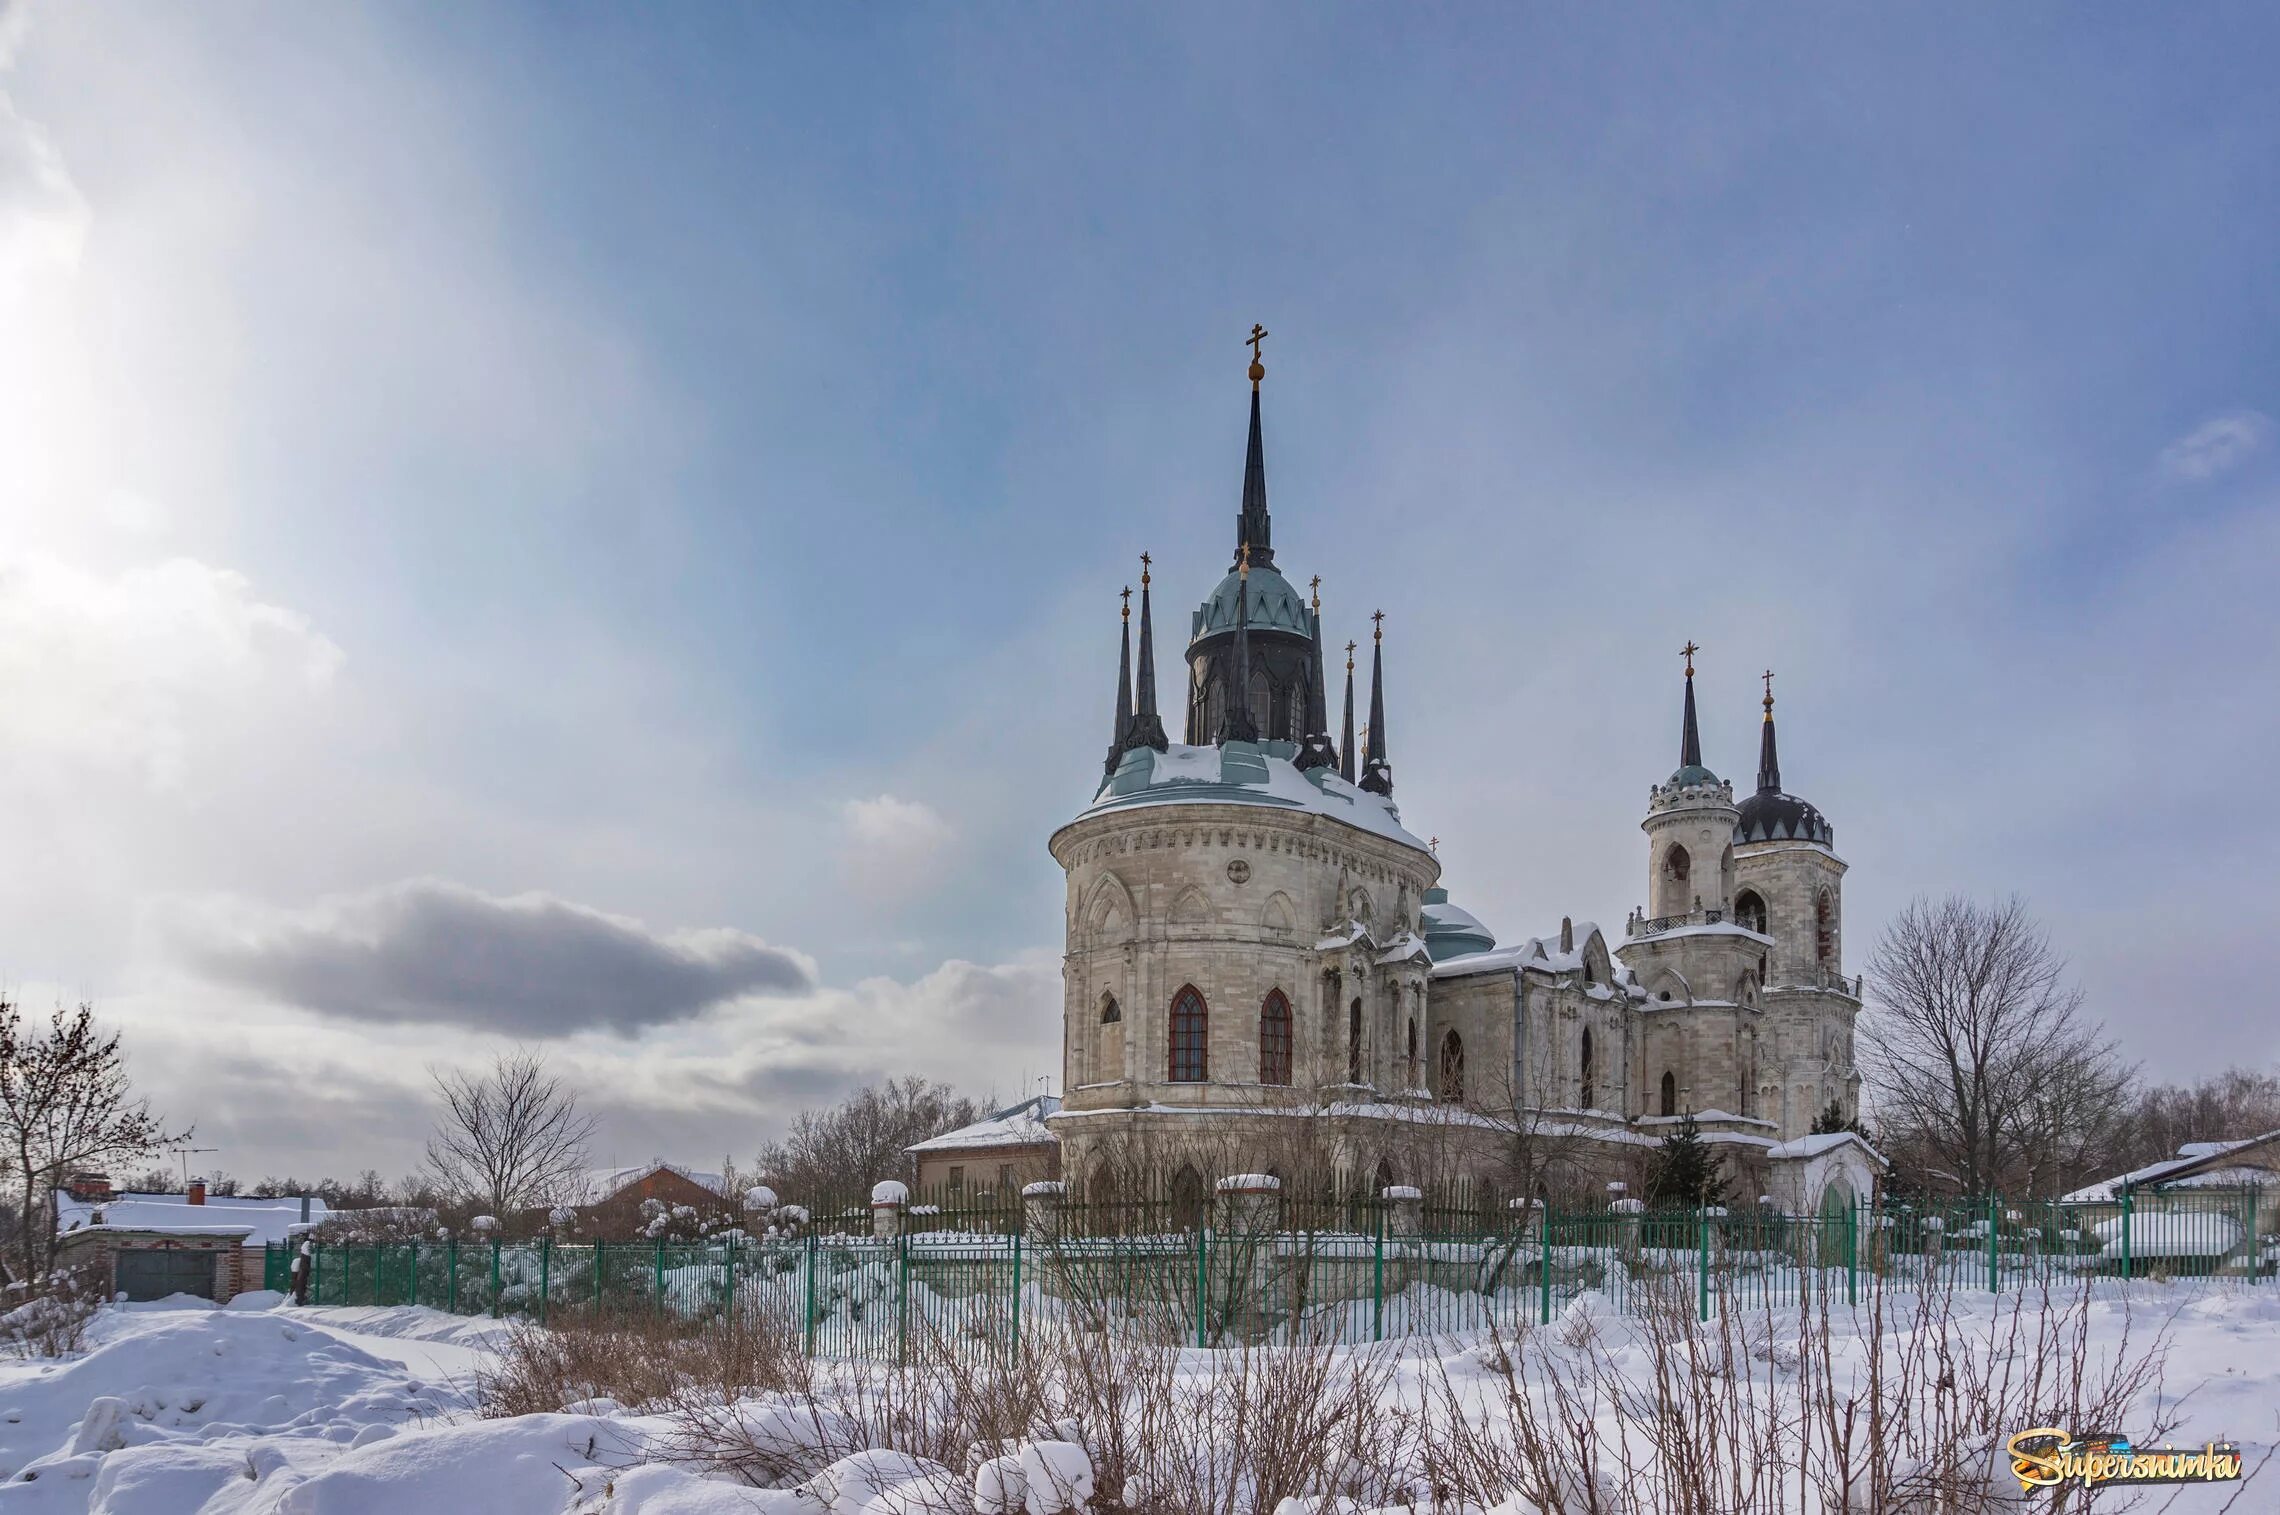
{"type": "Point", "coordinates": [267, 1410]}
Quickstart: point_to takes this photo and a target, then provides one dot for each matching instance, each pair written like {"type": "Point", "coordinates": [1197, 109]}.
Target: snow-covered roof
{"type": "Point", "coordinates": [262, 1220]}
{"type": "Point", "coordinates": [1539, 952]}
{"type": "Point", "coordinates": [1021, 1125]}
{"type": "Point", "coordinates": [1246, 773]}
{"type": "Point", "coordinates": [608, 1181]}
{"type": "Point", "coordinates": [2195, 1166]}
{"type": "Point", "coordinates": [1827, 1141]}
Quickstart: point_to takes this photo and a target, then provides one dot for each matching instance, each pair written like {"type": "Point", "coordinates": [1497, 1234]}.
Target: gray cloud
{"type": "Point", "coordinates": [431, 951]}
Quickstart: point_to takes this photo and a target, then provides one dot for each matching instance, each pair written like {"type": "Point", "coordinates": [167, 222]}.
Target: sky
{"type": "Point", "coordinates": [599, 528]}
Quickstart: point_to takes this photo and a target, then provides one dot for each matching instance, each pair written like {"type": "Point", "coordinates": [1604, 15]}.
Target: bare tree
{"type": "Point", "coordinates": [65, 1104]}
{"type": "Point", "coordinates": [841, 1151]}
{"type": "Point", "coordinates": [1984, 1066]}
{"type": "Point", "coordinates": [2227, 1106]}
{"type": "Point", "coordinates": [510, 1137]}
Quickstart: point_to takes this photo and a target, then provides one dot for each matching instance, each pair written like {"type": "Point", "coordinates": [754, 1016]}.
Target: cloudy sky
{"type": "Point", "coordinates": [600, 528]}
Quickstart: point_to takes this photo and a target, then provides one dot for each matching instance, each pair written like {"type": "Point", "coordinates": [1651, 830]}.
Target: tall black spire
{"type": "Point", "coordinates": [1315, 750]}
{"type": "Point", "coordinates": [1769, 760]}
{"type": "Point", "coordinates": [1689, 737]}
{"type": "Point", "coordinates": [1146, 728]}
{"type": "Point", "coordinates": [1377, 773]}
{"type": "Point", "coordinates": [1123, 724]}
{"type": "Point", "coordinates": [1235, 722]}
{"type": "Point", "coordinates": [1346, 740]}
{"type": "Point", "coordinates": [1252, 528]}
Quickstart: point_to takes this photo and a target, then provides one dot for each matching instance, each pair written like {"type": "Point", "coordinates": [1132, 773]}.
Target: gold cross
{"type": "Point", "coordinates": [1316, 586]}
{"type": "Point", "coordinates": [1379, 617]}
{"type": "Point", "coordinates": [1689, 650]}
{"type": "Point", "coordinates": [1258, 334]}
{"type": "Point", "coordinates": [1350, 657]}
{"type": "Point", "coordinates": [1128, 602]}
{"type": "Point", "coordinates": [1243, 558]}
{"type": "Point", "coordinates": [1145, 560]}
{"type": "Point", "coordinates": [1769, 693]}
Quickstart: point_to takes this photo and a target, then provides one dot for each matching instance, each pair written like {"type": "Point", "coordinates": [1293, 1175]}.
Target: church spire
{"type": "Point", "coordinates": [1235, 722]}
{"type": "Point", "coordinates": [1315, 750]}
{"type": "Point", "coordinates": [1123, 723]}
{"type": "Point", "coordinates": [1146, 728]}
{"type": "Point", "coordinates": [1377, 773]}
{"type": "Point", "coordinates": [1346, 738]}
{"type": "Point", "coordinates": [1689, 736]}
{"type": "Point", "coordinates": [1769, 760]}
{"type": "Point", "coordinates": [1252, 527]}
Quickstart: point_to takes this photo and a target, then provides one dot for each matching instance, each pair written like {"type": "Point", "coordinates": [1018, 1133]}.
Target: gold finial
{"type": "Point", "coordinates": [1258, 369]}
{"type": "Point", "coordinates": [1145, 560]}
{"type": "Point", "coordinates": [1316, 586]}
{"type": "Point", "coordinates": [1243, 559]}
{"type": "Point", "coordinates": [1688, 652]}
{"type": "Point", "coordinates": [1768, 694]}
{"type": "Point", "coordinates": [1379, 617]}
{"type": "Point", "coordinates": [1128, 602]}
{"type": "Point", "coordinates": [1350, 657]}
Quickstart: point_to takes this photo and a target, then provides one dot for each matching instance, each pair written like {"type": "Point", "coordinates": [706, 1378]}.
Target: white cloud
{"type": "Point", "coordinates": [891, 842]}
{"type": "Point", "coordinates": [2218, 445]}
{"type": "Point", "coordinates": [127, 671]}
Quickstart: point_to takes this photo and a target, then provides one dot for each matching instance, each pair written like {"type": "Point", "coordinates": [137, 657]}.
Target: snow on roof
{"type": "Point", "coordinates": [1021, 1125]}
{"type": "Point", "coordinates": [1246, 773]}
{"type": "Point", "coordinates": [2190, 1168]}
{"type": "Point", "coordinates": [608, 1181]}
{"type": "Point", "coordinates": [1827, 1141]}
{"type": "Point", "coordinates": [1539, 952]}
{"type": "Point", "coordinates": [260, 1220]}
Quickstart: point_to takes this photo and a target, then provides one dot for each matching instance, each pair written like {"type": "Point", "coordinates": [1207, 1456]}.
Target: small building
{"type": "Point", "coordinates": [2214, 1207]}
{"type": "Point", "coordinates": [150, 1246]}
{"type": "Point", "coordinates": [996, 1156]}
{"type": "Point", "coordinates": [623, 1192]}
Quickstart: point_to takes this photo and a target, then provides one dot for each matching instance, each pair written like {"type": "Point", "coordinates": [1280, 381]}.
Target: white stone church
{"type": "Point", "coordinates": [1261, 966]}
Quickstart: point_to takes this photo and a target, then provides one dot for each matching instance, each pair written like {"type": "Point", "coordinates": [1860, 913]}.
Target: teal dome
{"type": "Point", "coordinates": [1274, 606]}
{"type": "Point", "coordinates": [1450, 930]}
{"type": "Point", "coordinates": [1693, 773]}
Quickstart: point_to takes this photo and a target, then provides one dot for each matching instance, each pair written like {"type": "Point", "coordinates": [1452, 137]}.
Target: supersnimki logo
{"type": "Point", "coordinates": [2046, 1457]}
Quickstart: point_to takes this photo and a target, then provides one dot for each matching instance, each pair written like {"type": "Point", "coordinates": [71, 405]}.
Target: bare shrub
{"type": "Point", "coordinates": [53, 1322]}
{"type": "Point", "coordinates": [642, 1360]}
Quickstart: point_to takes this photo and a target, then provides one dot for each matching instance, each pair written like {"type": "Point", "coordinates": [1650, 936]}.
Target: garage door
{"type": "Point", "coordinates": [154, 1275]}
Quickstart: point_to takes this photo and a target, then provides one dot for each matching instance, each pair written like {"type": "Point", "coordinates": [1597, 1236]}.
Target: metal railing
{"type": "Point", "coordinates": [1368, 1272]}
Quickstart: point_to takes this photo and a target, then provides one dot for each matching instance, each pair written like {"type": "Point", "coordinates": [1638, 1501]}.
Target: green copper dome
{"type": "Point", "coordinates": [1274, 605]}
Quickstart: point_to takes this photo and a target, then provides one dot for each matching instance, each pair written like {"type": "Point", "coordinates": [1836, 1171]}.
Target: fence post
{"type": "Point", "coordinates": [376, 1251]}
{"type": "Point", "coordinates": [545, 1275]}
{"type": "Point", "coordinates": [810, 1294]}
{"type": "Point", "coordinates": [1702, 1274]}
{"type": "Point", "coordinates": [1994, 1280]}
{"type": "Point", "coordinates": [1017, 1292]}
{"type": "Point", "coordinates": [1852, 1252]}
{"type": "Point", "coordinates": [452, 1256]}
{"type": "Point", "coordinates": [728, 1281]}
{"type": "Point", "coordinates": [661, 1275]}
{"type": "Point", "coordinates": [1544, 1267]}
{"type": "Point", "coordinates": [494, 1280]}
{"type": "Point", "coordinates": [1377, 1278]}
{"type": "Point", "coordinates": [1202, 1281]}
{"type": "Point", "coordinates": [2127, 1205]}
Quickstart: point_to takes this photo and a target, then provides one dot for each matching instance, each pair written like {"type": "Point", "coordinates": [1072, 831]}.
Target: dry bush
{"type": "Point", "coordinates": [637, 1359]}
{"type": "Point", "coordinates": [53, 1321]}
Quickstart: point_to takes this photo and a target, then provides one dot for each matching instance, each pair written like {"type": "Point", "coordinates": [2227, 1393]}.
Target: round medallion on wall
{"type": "Point", "coordinates": [1239, 871]}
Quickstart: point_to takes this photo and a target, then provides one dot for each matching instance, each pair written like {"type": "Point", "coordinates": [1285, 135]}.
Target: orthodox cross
{"type": "Point", "coordinates": [1258, 334]}
{"type": "Point", "coordinates": [1434, 846]}
{"type": "Point", "coordinates": [1128, 602]}
{"type": "Point", "coordinates": [1316, 586]}
{"type": "Point", "coordinates": [1768, 676]}
{"type": "Point", "coordinates": [1350, 657]}
{"type": "Point", "coordinates": [1688, 652]}
{"type": "Point", "coordinates": [1145, 560]}
{"type": "Point", "coordinates": [1379, 617]}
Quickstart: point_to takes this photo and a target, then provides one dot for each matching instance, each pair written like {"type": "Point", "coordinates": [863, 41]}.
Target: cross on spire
{"type": "Point", "coordinates": [1378, 616]}
{"type": "Point", "coordinates": [1350, 646]}
{"type": "Point", "coordinates": [1128, 602]}
{"type": "Point", "coordinates": [1688, 652]}
{"type": "Point", "coordinates": [1258, 334]}
{"type": "Point", "coordinates": [1145, 560]}
{"type": "Point", "coordinates": [1768, 677]}
{"type": "Point", "coordinates": [1316, 586]}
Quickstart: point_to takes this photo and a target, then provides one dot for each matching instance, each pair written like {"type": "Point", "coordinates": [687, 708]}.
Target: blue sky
{"type": "Point", "coordinates": [467, 473]}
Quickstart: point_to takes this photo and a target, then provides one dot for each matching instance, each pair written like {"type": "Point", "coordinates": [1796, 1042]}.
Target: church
{"type": "Point", "coordinates": [1263, 972]}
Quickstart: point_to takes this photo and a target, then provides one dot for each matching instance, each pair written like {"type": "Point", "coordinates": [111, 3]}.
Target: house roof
{"type": "Point", "coordinates": [2197, 1165]}
{"type": "Point", "coordinates": [610, 1182]}
{"type": "Point", "coordinates": [1021, 1125]}
{"type": "Point", "coordinates": [261, 1220]}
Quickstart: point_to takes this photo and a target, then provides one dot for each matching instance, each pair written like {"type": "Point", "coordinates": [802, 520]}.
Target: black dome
{"type": "Point", "coordinates": [1772, 816]}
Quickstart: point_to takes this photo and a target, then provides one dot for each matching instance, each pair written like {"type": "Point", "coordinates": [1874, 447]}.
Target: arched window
{"type": "Point", "coordinates": [1825, 929]}
{"type": "Point", "coordinates": [1109, 1013]}
{"type": "Point", "coordinates": [1262, 702]}
{"type": "Point", "coordinates": [1749, 911]}
{"type": "Point", "coordinates": [1189, 1197]}
{"type": "Point", "coordinates": [1412, 1045]}
{"type": "Point", "coordinates": [1274, 1039]}
{"type": "Point", "coordinates": [1384, 1174]}
{"type": "Point", "coordinates": [1670, 1094]}
{"type": "Point", "coordinates": [1677, 882]}
{"type": "Point", "coordinates": [1354, 1043]}
{"type": "Point", "coordinates": [1191, 1032]}
{"type": "Point", "coordinates": [1452, 1067]}
{"type": "Point", "coordinates": [1587, 1091]}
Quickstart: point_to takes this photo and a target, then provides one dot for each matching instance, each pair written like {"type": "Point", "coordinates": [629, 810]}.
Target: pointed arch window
{"type": "Point", "coordinates": [1274, 1039]}
{"type": "Point", "coordinates": [1825, 930]}
{"type": "Point", "coordinates": [1452, 1067]}
{"type": "Point", "coordinates": [1191, 1036]}
{"type": "Point", "coordinates": [1412, 1051]}
{"type": "Point", "coordinates": [1354, 1042]}
{"type": "Point", "coordinates": [1110, 1014]}
{"type": "Point", "coordinates": [1749, 911]}
{"type": "Point", "coordinates": [1670, 1094]}
{"type": "Point", "coordinates": [1587, 1090]}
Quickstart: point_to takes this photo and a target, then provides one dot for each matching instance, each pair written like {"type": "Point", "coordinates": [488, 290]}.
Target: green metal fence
{"type": "Point", "coordinates": [1395, 1273]}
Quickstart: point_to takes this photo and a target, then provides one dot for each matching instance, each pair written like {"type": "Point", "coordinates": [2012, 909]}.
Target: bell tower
{"type": "Point", "coordinates": [1690, 828]}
